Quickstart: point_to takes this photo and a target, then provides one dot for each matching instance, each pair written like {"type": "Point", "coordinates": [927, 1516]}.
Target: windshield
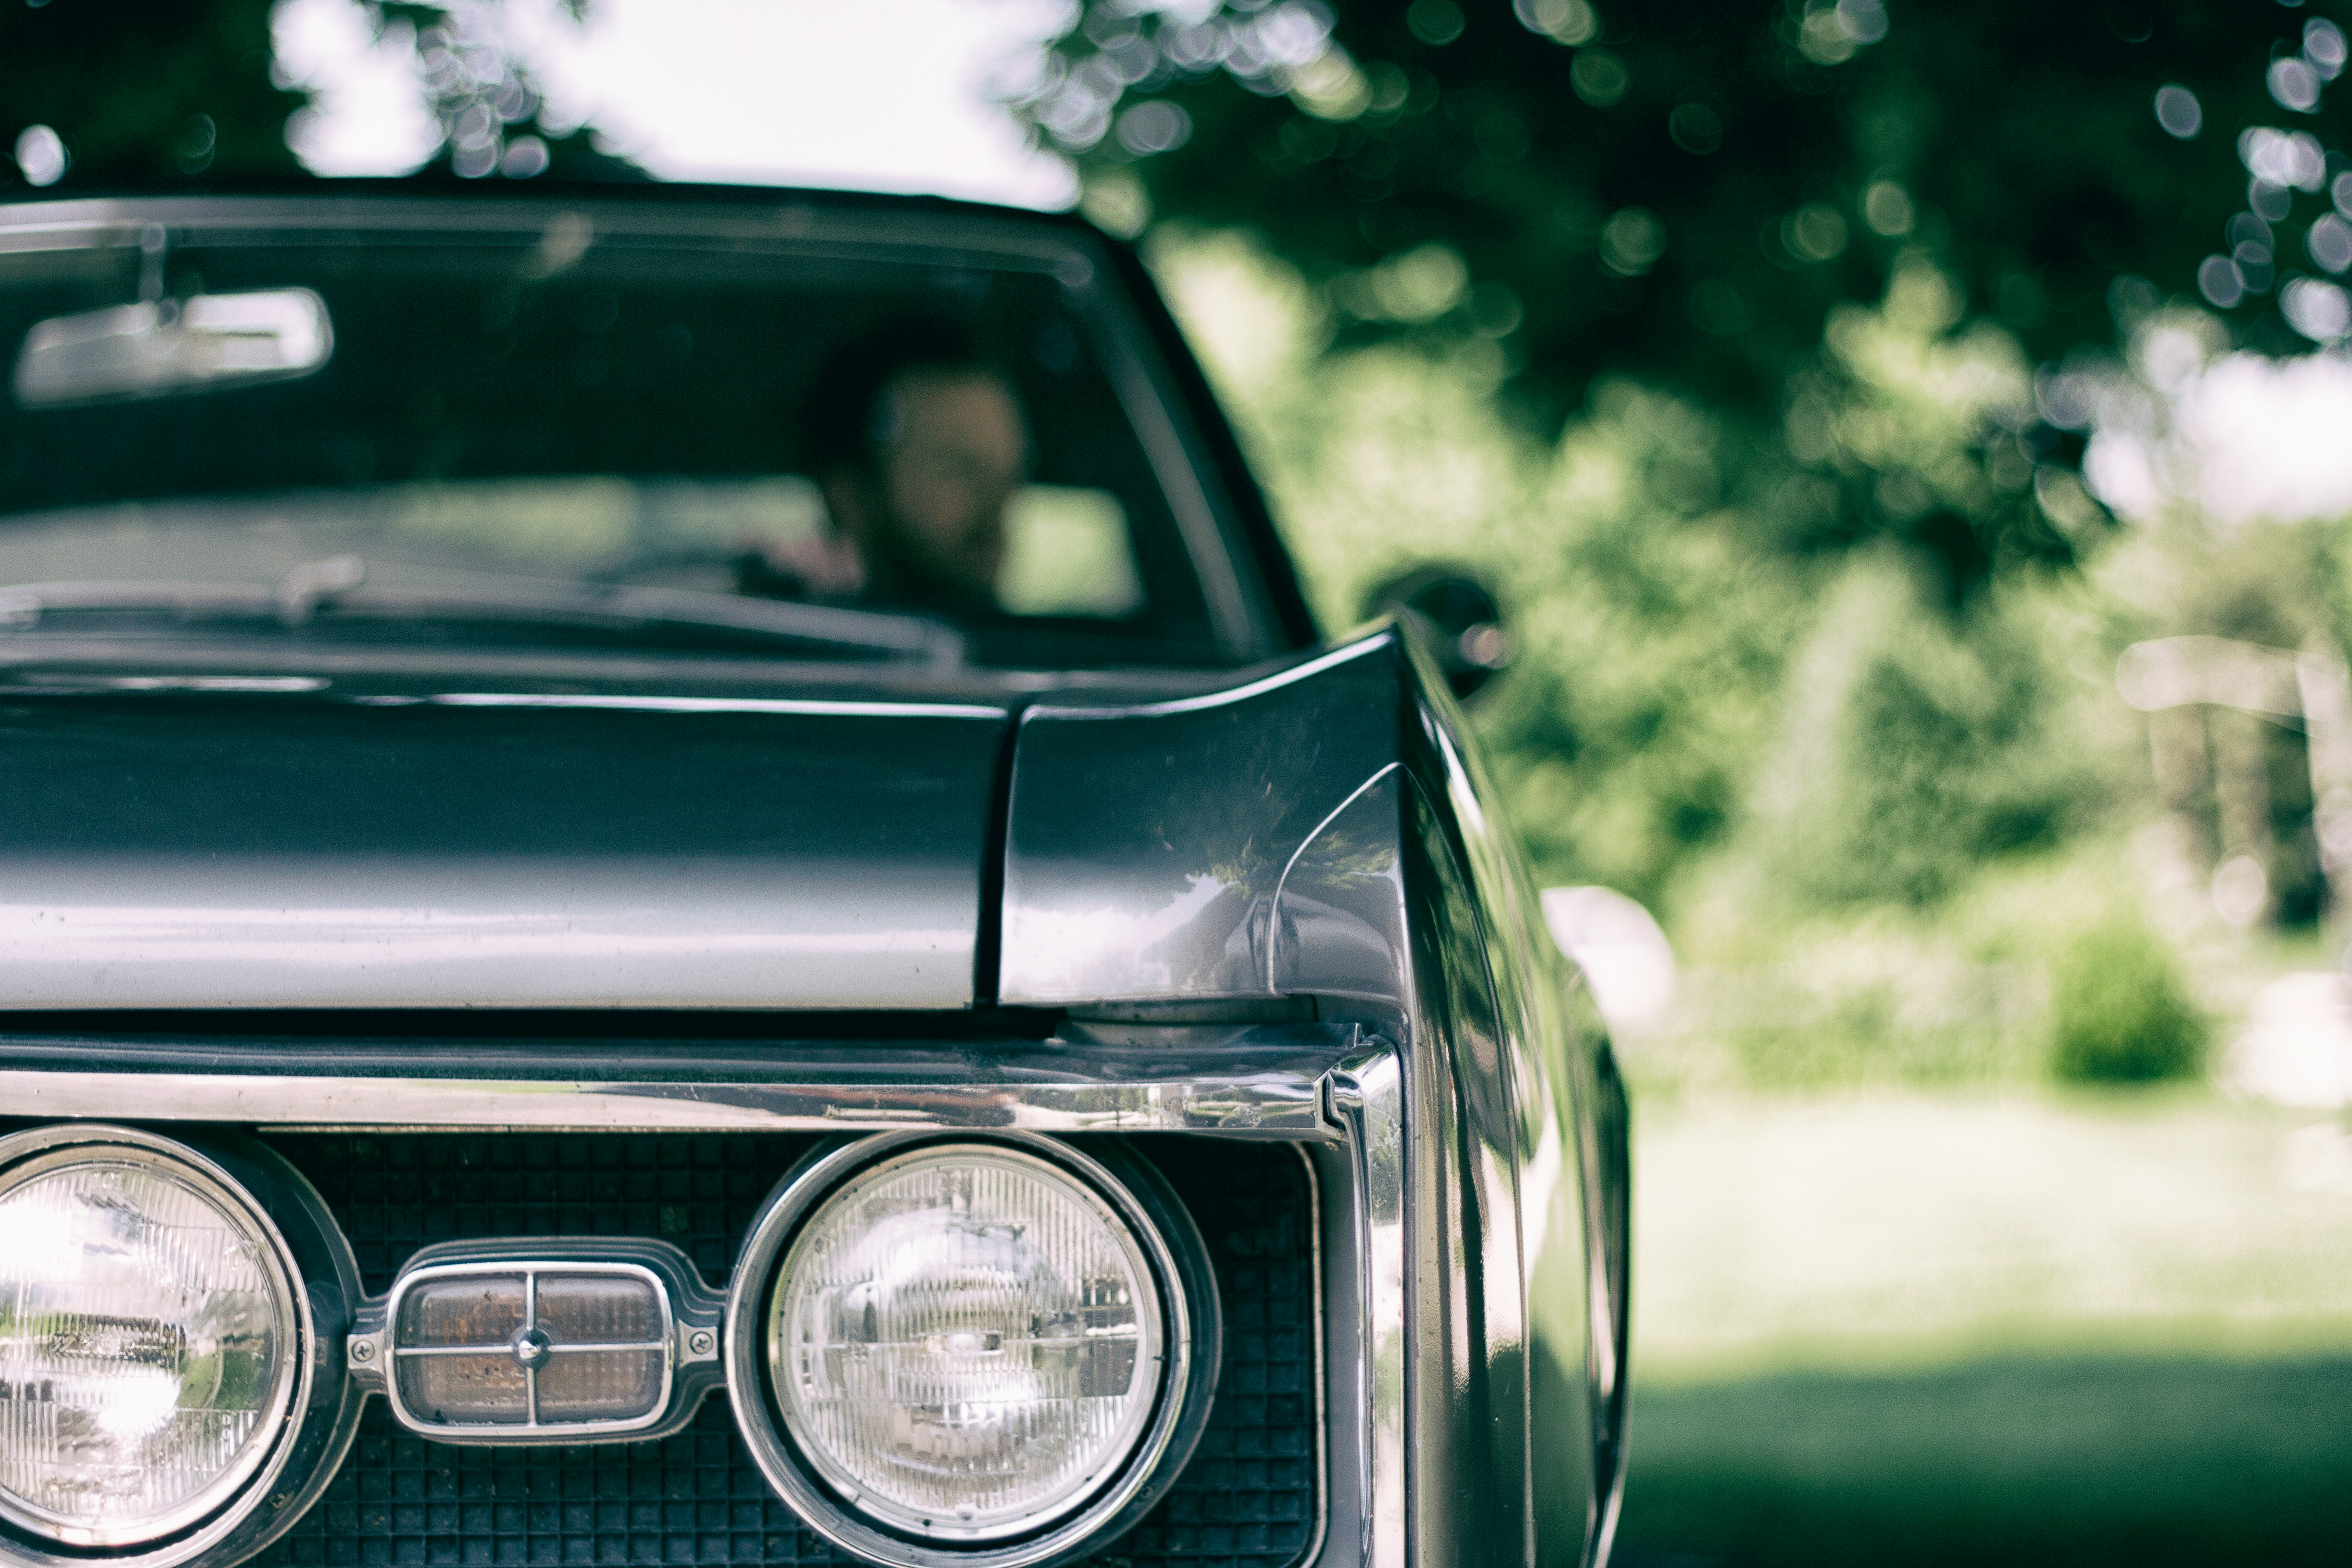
{"type": "Point", "coordinates": [448, 414]}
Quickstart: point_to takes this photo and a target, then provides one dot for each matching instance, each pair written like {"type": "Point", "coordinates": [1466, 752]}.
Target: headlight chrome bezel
{"type": "Point", "coordinates": [1190, 1333]}
{"type": "Point", "coordinates": [230, 1500]}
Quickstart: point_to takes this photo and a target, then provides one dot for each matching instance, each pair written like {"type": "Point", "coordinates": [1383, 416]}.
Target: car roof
{"type": "Point", "coordinates": [545, 190]}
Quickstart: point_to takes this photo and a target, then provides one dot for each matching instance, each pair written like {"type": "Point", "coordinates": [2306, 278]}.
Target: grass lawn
{"type": "Point", "coordinates": [1905, 1329]}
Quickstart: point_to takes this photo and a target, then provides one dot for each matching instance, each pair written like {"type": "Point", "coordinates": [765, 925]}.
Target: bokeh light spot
{"type": "Point", "coordinates": [2319, 311]}
{"type": "Point", "coordinates": [526, 156]}
{"type": "Point", "coordinates": [2285, 158]}
{"type": "Point", "coordinates": [2253, 263]}
{"type": "Point", "coordinates": [2240, 890]}
{"type": "Point", "coordinates": [1631, 241]}
{"type": "Point", "coordinates": [2217, 280]}
{"type": "Point", "coordinates": [1599, 78]}
{"type": "Point", "coordinates": [1422, 284]}
{"type": "Point", "coordinates": [1814, 232]}
{"type": "Point", "coordinates": [2324, 47]}
{"type": "Point", "coordinates": [1434, 22]}
{"type": "Point", "coordinates": [1864, 21]}
{"type": "Point", "coordinates": [1156, 126]}
{"type": "Point", "coordinates": [1569, 22]}
{"type": "Point", "coordinates": [1696, 129]}
{"type": "Point", "coordinates": [1330, 86]}
{"type": "Point", "coordinates": [2330, 242]}
{"type": "Point", "coordinates": [41, 155]}
{"type": "Point", "coordinates": [196, 142]}
{"type": "Point", "coordinates": [2295, 84]}
{"type": "Point", "coordinates": [1494, 309]}
{"type": "Point", "coordinates": [1114, 200]}
{"type": "Point", "coordinates": [1886, 209]}
{"type": "Point", "coordinates": [1831, 33]}
{"type": "Point", "coordinates": [2177, 110]}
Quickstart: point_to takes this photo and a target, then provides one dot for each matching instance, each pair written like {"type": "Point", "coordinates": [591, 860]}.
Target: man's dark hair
{"type": "Point", "coordinates": [847, 417]}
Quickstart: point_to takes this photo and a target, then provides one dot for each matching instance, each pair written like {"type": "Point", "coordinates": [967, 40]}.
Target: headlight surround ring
{"type": "Point", "coordinates": [252, 1500]}
{"type": "Point", "coordinates": [1133, 1192]}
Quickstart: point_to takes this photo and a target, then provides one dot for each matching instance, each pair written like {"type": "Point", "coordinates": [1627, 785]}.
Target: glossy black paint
{"type": "Point", "coordinates": [1325, 830]}
{"type": "Point", "coordinates": [212, 849]}
{"type": "Point", "coordinates": [1147, 845]}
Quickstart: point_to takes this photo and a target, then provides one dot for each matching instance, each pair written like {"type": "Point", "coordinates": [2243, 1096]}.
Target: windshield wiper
{"type": "Point", "coordinates": [340, 585]}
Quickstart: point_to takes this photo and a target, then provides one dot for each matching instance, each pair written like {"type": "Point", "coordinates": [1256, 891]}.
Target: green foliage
{"type": "Point", "coordinates": [1650, 631]}
{"type": "Point", "coordinates": [1691, 197]}
{"type": "Point", "coordinates": [1655, 626]}
{"type": "Point", "coordinates": [147, 91]}
{"type": "Point", "coordinates": [1917, 746]}
{"type": "Point", "coordinates": [157, 93]}
{"type": "Point", "coordinates": [1652, 636]}
{"type": "Point", "coordinates": [1950, 997]}
{"type": "Point", "coordinates": [2118, 1011]}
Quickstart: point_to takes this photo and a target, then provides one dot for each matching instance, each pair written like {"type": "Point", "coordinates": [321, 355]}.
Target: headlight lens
{"type": "Point", "coordinates": [148, 1344]}
{"type": "Point", "coordinates": [966, 1341]}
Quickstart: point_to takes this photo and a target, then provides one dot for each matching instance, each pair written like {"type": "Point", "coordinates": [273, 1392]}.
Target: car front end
{"type": "Point", "coordinates": [518, 1049]}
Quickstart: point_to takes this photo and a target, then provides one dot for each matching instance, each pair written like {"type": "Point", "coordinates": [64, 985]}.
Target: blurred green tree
{"type": "Point", "coordinates": [1690, 196]}
{"type": "Point", "coordinates": [2119, 1012]}
{"type": "Point", "coordinates": [1915, 748]}
{"type": "Point", "coordinates": [142, 93]}
{"type": "Point", "coordinates": [1651, 630]}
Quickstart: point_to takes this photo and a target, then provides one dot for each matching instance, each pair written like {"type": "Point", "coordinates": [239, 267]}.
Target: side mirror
{"type": "Point", "coordinates": [1623, 955]}
{"type": "Point", "coordinates": [1456, 615]}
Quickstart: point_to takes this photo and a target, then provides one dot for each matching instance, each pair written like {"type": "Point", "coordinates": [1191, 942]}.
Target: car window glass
{"type": "Point", "coordinates": [1068, 554]}
{"type": "Point", "coordinates": [613, 408]}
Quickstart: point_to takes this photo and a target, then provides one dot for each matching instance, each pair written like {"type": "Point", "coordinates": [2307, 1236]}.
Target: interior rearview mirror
{"type": "Point", "coordinates": [1458, 616]}
{"type": "Point", "coordinates": [162, 347]}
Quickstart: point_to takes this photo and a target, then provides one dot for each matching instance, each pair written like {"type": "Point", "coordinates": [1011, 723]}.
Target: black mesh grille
{"type": "Point", "coordinates": [1247, 1499]}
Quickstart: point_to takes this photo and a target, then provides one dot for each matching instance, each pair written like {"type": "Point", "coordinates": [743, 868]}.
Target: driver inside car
{"type": "Point", "coordinates": [918, 445]}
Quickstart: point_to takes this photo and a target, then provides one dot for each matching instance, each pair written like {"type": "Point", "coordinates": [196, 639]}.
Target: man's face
{"type": "Point", "coordinates": [956, 452]}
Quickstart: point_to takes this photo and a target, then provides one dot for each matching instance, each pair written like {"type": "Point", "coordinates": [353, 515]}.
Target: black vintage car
{"type": "Point", "coordinates": [681, 882]}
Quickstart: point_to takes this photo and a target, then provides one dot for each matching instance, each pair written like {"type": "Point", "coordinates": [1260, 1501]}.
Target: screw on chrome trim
{"type": "Point", "coordinates": [699, 1343]}
{"type": "Point", "coordinates": [363, 1350]}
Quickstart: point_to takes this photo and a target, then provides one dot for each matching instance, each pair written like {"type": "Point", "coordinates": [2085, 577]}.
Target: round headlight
{"type": "Point", "coordinates": [973, 1354]}
{"type": "Point", "coordinates": [149, 1343]}
{"type": "Point", "coordinates": [965, 1341]}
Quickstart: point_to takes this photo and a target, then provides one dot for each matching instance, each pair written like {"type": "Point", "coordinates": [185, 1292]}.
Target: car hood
{"type": "Point", "coordinates": [205, 842]}
{"type": "Point", "coordinates": [942, 840]}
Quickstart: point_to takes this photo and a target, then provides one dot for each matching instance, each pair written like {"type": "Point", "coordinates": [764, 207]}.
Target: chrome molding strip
{"type": "Point", "coordinates": [794, 707]}
{"type": "Point", "coordinates": [1285, 1103]}
{"type": "Point", "coordinates": [1321, 1335]}
{"type": "Point", "coordinates": [1368, 1096]}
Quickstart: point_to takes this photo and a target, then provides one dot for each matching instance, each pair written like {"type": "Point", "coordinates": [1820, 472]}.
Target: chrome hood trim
{"type": "Point", "coordinates": [1267, 1083]}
